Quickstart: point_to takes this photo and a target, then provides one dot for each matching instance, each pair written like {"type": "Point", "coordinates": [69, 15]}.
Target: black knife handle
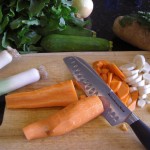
{"type": "Point", "coordinates": [143, 132]}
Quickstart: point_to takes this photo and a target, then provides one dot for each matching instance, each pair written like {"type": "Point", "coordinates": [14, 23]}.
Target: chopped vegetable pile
{"type": "Point", "coordinates": [24, 21]}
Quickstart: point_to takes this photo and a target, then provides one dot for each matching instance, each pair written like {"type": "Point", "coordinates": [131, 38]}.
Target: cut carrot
{"type": "Point", "coordinates": [65, 120]}
{"type": "Point", "coordinates": [82, 96]}
{"type": "Point", "coordinates": [104, 70]}
{"type": "Point", "coordinates": [105, 63]}
{"type": "Point", "coordinates": [116, 78]}
{"type": "Point", "coordinates": [115, 85]}
{"type": "Point", "coordinates": [116, 71]}
{"type": "Point", "coordinates": [104, 77]}
{"type": "Point", "coordinates": [97, 64]}
{"type": "Point", "coordinates": [60, 94]}
{"type": "Point", "coordinates": [134, 95]}
{"type": "Point", "coordinates": [126, 99]}
{"type": "Point", "coordinates": [123, 90]}
{"type": "Point", "coordinates": [110, 76]}
{"type": "Point", "coordinates": [132, 105]}
{"type": "Point", "coordinates": [77, 85]}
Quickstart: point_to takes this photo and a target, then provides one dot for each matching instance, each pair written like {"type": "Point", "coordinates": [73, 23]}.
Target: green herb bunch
{"type": "Point", "coordinates": [143, 18]}
{"type": "Point", "coordinates": [21, 21]}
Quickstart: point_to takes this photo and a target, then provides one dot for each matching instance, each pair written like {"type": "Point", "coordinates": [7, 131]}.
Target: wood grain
{"type": "Point", "coordinates": [95, 135]}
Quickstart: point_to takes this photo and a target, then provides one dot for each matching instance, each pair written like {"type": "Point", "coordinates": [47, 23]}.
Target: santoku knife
{"type": "Point", "coordinates": [115, 111]}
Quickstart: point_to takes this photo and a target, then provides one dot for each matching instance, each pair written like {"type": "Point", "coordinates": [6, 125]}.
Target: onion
{"type": "Point", "coordinates": [85, 7]}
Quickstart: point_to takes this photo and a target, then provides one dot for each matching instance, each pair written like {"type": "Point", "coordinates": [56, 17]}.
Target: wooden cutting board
{"type": "Point", "coordinates": [95, 135]}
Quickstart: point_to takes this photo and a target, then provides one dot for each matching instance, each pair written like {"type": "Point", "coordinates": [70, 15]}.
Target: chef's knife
{"type": "Point", "coordinates": [115, 111]}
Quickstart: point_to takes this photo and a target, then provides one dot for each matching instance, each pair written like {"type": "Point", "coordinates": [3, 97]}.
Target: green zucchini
{"type": "Point", "coordinates": [68, 43]}
{"type": "Point", "coordinates": [70, 30]}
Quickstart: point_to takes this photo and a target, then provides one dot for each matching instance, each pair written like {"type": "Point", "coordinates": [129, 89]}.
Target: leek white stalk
{"type": "Point", "coordinates": [6, 56]}
{"type": "Point", "coordinates": [20, 80]}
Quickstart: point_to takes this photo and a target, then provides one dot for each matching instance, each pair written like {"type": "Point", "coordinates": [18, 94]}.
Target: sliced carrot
{"type": "Point", "coordinates": [104, 77]}
{"type": "Point", "coordinates": [116, 78]}
{"type": "Point", "coordinates": [60, 94]}
{"type": "Point", "coordinates": [105, 63]}
{"type": "Point", "coordinates": [104, 70]}
{"type": "Point", "coordinates": [116, 71]}
{"type": "Point", "coordinates": [110, 76]}
{"type": "Point", "coordinates": [134, 95]}
{"type": "Point", "coordinates": [82, 96]}
{"type": "Point", "coordinates": [115, 85]}
{"type": "Point", "coordinates": [77, 85]}
{"type": "Point", "coordinates": [132, 105]}
{"type": "Point", "coordinates": [126, 99]}
{"type": "Point", "coordinates": [65, 120]}
{"type": "Point", "coordinates": [97, 64]}
{"type": "Point", "coordinates": [123, 90]}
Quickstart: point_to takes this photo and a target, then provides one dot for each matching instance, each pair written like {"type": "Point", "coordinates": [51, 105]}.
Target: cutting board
{"type": "Point", "coordinates": [95, 135]}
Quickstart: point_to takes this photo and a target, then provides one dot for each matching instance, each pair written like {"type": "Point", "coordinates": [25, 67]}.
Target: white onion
{"type": "Point", "coordinates": [84, 7]}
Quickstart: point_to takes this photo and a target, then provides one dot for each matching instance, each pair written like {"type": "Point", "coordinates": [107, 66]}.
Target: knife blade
{"type": "Point", "coordinates": [115, 112]}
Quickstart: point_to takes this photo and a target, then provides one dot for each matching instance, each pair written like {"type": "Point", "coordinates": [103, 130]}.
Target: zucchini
{"type": "Point", "coordinates": [70, 30]}
{"type": "Point", "coordinates": [68, 43]}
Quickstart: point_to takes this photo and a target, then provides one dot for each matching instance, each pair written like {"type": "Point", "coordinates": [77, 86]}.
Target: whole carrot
{"type": "Point", "coordinates": [65, 120]}
{"type": "Point", "coordinates": [60, 94]}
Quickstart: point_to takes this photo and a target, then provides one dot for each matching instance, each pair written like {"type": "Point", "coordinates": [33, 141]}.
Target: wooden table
{"type": "Point", "coordinates": [95, 135]}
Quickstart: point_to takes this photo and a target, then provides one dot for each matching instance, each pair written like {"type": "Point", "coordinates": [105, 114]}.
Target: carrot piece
{"type": "Point", "coordinates": [77, 85]}
{"type": "Point", "coordinates": [97, 64]}
{"type": "Point", "coordinates": [132, 105]}
{"type": "Point", "coordinates": [82, 96]}
{"type": "Point", "coordinates": [104, 77]}
{"type": "Point", "coordinates": [60, 94]}
{"type": "Point", "coordinates": [115, 85]}
{"type": "Point", "coordinates": [65, 120]}
{"type": "Point", "coordinates": [109, 79]}
{"type": "Point", "coordinates": [116, 71]}
{"type": "Point", "coordinates": [134, 95]}
{"type": "Point", "coordinates": [116, 78]}
{"type": "Point", "coordinates": [104, 70]}
{"type": "Point", "coordinates": [105, 63]}
{"type": "Point", "coordinates": [123, 90]}
{"type": "Point", "coordinates": [126, 99]}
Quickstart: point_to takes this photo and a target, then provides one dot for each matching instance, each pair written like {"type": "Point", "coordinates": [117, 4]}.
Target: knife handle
{"type": "Point", "coordinates": [142, 131]}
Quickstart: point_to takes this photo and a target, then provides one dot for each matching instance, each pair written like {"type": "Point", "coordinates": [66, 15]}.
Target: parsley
{"type": "Point", "coordinates": [21, 21]}
{"type": "Point", "coordinates": [143, 18]}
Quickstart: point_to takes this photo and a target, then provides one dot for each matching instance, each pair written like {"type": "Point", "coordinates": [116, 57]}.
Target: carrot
{"type": "Point", "coordinates": [60, 94]}
{"type": "Point", "coordinates": [65, 120]}
{"type": "Point", "coordinates": [132, 105]}
{"type": "Point", "coordinates": [104, 77]}
{"type": "Point", "coordinates": [116, 78]}
{"type": "Point", "coordinates": [110, 76]}
{"type": "Point", "coordinates": [115, 85]}
{"type": "Point", "coordinates": [134, 95]}
{"type": "Point", "coordinates": [77, 85]}
{"type": "Point", "coordinates": [116, 71]}
{"type": "Point", "coordinates": [123, 90]}
{"type": "Point", "coordinates": [126, 99]}
{"type": "Point", "coordinates": [105, 63]}
{"type": "Point", "coordinates": [104, 70]}
{"type": "Point", "coordinates": [82, 96]}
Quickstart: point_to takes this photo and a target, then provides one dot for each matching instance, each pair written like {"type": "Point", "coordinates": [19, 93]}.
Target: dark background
{"type": "Point", "coordinates": [105, 12]}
